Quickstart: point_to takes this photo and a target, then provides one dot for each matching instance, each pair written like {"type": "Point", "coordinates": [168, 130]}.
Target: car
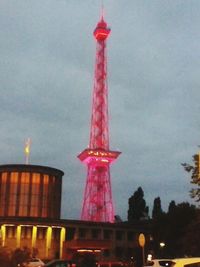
{"type": "Point", "coordinates": [34, 262]}
{"type": "Point", "coordinates": [60, 263]}
{"type": "Point", "coordinates": [160, 263]}
{"type": "Point", "coordinates": [187, 262]}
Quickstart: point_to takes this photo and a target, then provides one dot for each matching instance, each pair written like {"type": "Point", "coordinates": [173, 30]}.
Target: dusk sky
{"type": "Point", "coordinates": [47, 55]}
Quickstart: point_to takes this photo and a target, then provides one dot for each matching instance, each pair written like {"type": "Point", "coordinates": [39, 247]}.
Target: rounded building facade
{"type": "Point", "coordinates": [30, 191]}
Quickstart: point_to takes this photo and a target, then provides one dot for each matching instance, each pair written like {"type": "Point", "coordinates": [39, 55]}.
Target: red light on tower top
{"type": "Point", "coordinates": [101, 31]}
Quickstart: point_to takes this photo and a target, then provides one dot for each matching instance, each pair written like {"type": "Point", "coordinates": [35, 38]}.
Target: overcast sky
{"type": "Point", "coordinates": [47, 54]}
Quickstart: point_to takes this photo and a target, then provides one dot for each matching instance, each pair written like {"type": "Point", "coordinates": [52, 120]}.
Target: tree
{"type": "Point", "coordinates": [14, 258]}
{"type": "Point", "coordinates": [157, 209]}
{"type": "Point", "coordinates": [190, 242]}
{"type": "Point", "coordinates": [20, 256]}
{"type": "Point", "coordinates": [195, 176]}
{"type": "Point", "coordinates": [159, 228]}
{"type": "Point", "coordinates": [173, 227]}
{"type": "Point", "coordinates": [172, 206]}
{"type": "Point", "coordinates": [179, 219]}
{"type": "Point", "coordinates": [137, 206]}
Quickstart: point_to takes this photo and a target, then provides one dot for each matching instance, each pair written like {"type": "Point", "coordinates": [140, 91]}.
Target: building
{"type": "Point", "coordinates": [30, 204]}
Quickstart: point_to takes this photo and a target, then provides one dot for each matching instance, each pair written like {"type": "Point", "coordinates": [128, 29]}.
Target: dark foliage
{"type": "Point", "coordinates": [175, 228]}
{"type": "Point", "coordinates": [194, 170]}
{"type": "Point", "coordinates": [157, 209]}
{"type": "Point", "coordinates": [137, 206]}
{"type": "Point", "coordinates": [20, 255]}
{"type": "Point", "coordinates": [13, 258]}
{"type": "Point", "coordinates": [190, 242]}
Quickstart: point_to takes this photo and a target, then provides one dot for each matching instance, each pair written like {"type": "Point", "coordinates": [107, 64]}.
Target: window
{"type": "Point", "coordinates": [130, 236]}
{"type": "Point", "coordinates": [35, 194]}
{"type": "Point", "coordinates": [26, 232]}
{"type": "Point", "coordinates": [13, 194]}
{"type": "Point", "coordinates": [3, 183]}
{"type": "Point", "coordinates": [41, 232]}
{"type": "Point", "coordinates": [107, 234]}
{"type": "Point", "coordinates": [95, 233]}
{"type": "Point", "coordinates": [119, 235]}
{"type": "Point", "coordinates": [166, 263]}
{"type": "Point", "coordinates": [45, 195]}
{"type": "Point", "coordinates": [10, 231]}
{"type": "Point", "coordinates": [70, 233]}
{"type": "Point", "coordinates": [82, 233]}
{"type": "Point", "coordinates": [56, 233]}
{"type": "Point", "coordinates": [23, 202]}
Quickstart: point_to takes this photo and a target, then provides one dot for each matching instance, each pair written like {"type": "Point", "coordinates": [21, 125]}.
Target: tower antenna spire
{"type": "Point", "coordinates": [102, 10]}
{"type": "Point", "coordinates": [97, 201]}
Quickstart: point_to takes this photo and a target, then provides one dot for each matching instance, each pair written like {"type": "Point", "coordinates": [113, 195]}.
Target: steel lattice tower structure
{"type": "Point", "coordinates": [97, 201]}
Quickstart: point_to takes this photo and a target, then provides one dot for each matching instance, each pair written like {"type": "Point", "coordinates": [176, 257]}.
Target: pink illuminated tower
{"type": "Point", "coordinates": [97, 201]}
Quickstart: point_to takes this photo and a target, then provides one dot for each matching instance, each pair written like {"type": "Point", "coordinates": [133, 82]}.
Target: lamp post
{"type": "Point", "coordinates": [162, 245]}
{"type": "Point", "coordinates": [141, 240]}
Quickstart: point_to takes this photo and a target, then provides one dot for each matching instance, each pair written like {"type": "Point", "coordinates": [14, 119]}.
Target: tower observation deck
{"type": "Point", "coordinates": [97, 202]}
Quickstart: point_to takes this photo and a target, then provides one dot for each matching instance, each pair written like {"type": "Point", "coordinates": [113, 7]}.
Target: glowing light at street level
{"type": "Point", "coordinates": [3, 235]}
{"type": "Point", "coordinates": [149, 257]}
{"type": "Point", "coordinates": [18, 235]}
{"type": "Point", "coordinates": [48, 240]}
{"type": "Point", "coordinates": [88, 250]}
{"type": "Point", "coordinates": [34, 236]}
{"type": "Point", "coordinates": [162, 244]}
{"type": "Point", "coordinates": [62, 239]}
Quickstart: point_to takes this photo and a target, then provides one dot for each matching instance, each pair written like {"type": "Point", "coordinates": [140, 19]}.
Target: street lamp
{"type": "Point", "coordinates": [162, 245]}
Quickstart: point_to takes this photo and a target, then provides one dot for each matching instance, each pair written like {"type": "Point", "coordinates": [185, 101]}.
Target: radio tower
{"type": "Point", "coordinates": [97, 201]}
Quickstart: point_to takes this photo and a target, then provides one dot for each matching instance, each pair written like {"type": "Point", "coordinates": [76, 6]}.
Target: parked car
{"type": "Point", "coordinates": [60, 263]}
{"type": "Point", "coordinates": [34, 262]}
{"type": "Point", "coordinates": [187, 262]}
{"type": "Point", "coordinates": [179, 262]}
{"type": "Point", "coordinates": [160, 263]}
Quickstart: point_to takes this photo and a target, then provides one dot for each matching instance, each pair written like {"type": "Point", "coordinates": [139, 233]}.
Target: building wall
{"type": "Point", "coordinates": [123, 239]}
{"type": "Point", "coordinates": [46, 239]}
{"type": "Point", "coordinates": [53, 240]}
{"type": "Point", "coordinates": [30, 203]}
{"type": "Point", "coordinates": [30, 191]}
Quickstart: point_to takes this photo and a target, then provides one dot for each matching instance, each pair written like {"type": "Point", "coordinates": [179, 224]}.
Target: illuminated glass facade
{"type": "Point", "coordinates": [30, 191]}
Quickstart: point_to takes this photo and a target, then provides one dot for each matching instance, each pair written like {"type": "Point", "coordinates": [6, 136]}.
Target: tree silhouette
{"type": "Point", "coordinates": [20, 256]}
{"type": "Point", "coordinates": [172, 206]}
{"type": "Point", "coordinates": [137, 206]}
{"type": "Point", "coordinates": [190, 242]}
{"type": "Point", "coordinates": [194, 170]}
{"type": "Point", "coordinates": [157, 209]}
{"type": "Point", "coordinates": [173, 228]}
